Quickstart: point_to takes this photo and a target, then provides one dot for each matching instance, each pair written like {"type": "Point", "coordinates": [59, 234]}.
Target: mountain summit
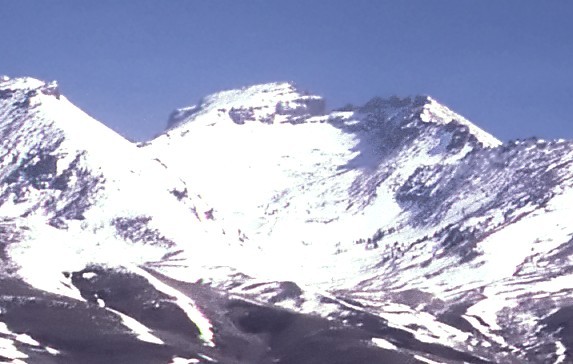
{"type": "Point", "coordinates": [267, 103]}
{"type": "Point", "coordinates": [317, 170]}
{"type": "Point", "coordinates": [262, 228]}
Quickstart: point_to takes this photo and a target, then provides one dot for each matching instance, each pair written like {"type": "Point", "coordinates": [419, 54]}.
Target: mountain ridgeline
{"type": "Point", "coordinates": [261, 228]}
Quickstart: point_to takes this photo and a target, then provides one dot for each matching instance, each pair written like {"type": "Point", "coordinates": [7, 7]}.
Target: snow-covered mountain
{"type": "Point", "coordinates": [261, 228]}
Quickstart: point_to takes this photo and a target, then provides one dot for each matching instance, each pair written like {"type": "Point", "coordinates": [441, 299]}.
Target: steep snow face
{"type": "Point", "coordinates": [291, 184]}
{"type": "Point", "coordinates": [434, 112]}
{"type": "Point", "coordinates": [329, 189]}
{"type": "Point", "coordinates": [397, 231]}
{"type": "Point", "coordinates": [397, 205]}
{"type": "Point", "coordinates": [74, 194]}
{"type": "Point", "coordinates": [61, 167]}
{"type": "Point", "coordinates": [57, 161]}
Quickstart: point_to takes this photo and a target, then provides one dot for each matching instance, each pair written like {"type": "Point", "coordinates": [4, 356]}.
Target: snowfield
{"type": "Point", "coordinates": [261, 228]}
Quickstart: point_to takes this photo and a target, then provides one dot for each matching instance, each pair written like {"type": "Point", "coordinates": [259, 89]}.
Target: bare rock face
{"type": "Point", "coordinates": [305, 106]}
{"type": "Point", "coordinates": [180, 115]}
{"type": "Point", "coordinates": [51, 88]}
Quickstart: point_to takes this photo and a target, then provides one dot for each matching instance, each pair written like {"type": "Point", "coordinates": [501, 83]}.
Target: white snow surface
{"type": "Point", "coordinates": [142, 332]}
{"type": "Point", "coordinates": [127, 184]}
{"type": "Point", "coordinates": [401, 205]}
{"type": "Point", "coordinates": [293, 189]}
{"type": "Point", "coordinates": [434, 112]}
{"type": "Point", "coordinates": [11, 344]}
{"type": "Point", "coordinates": [268, 103]}
{"type": "Point", "coordinates": [186, 303]}
{"type": "Point", "coordinates": [299, 196]}
{"type": "Point", "coordinates": [109, 184]}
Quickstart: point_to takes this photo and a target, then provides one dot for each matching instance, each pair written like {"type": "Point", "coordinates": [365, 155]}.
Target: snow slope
{"type": "Point", "coordinates": [400, 196]}
{"type": "Point", "coordinates": [73, 193]}
{"type": "Point", "coordinates": [293, 188]}
{"type": "Point", "coordinates": [261, 228]}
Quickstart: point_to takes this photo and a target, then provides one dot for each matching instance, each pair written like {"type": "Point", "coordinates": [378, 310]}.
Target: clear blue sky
{"type": "Point", "coordinates": [506, 65]}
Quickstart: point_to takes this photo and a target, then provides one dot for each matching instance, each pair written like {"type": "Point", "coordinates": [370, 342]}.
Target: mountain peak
{"type": "Point", "coordinates": [270, 103]}
{"type": "Point", "coordinates": [425, 109]}
{"type": "Point", "coordinates": [434, 112]}
{"type": "Point", "coordinates": [20, 83]}
{"type": "Point", "coordinates": [28, 86]}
